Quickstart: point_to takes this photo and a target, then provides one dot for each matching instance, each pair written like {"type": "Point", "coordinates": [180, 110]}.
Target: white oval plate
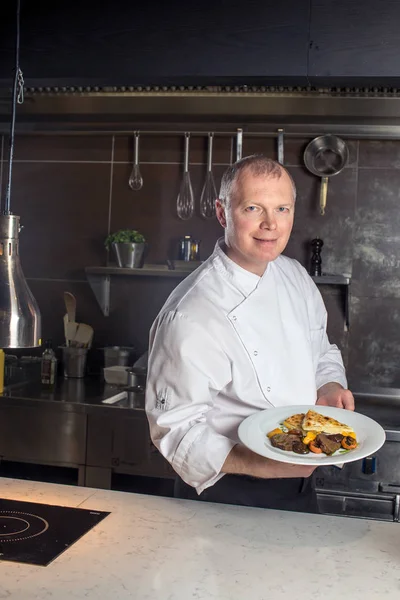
{"type": "Point", "coordinates": [253, 434]}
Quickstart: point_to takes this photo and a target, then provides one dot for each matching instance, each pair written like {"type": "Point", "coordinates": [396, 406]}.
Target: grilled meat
{"type": "Point", "coordinates": [285, 441]}
{"type": "Point", "coordinates": [328, 445]}
{"type": "Point", "coordinates": [300, 448]}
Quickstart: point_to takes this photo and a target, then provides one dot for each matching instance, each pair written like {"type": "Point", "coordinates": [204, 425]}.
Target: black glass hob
{"type": "Point", "coordinates": [37, 533]}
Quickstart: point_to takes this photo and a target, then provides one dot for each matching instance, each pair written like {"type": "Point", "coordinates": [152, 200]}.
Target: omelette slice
{"type": "Point", "coordinates": [318, 423]}
{"type": "Point", "coordinates": [294, 422]}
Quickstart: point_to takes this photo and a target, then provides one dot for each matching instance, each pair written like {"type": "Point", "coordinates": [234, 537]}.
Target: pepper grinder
{"type": "Point", "coordinates": [316, 261]}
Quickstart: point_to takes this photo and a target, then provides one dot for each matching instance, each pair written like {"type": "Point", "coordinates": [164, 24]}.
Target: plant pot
{"type": "Point", "coordinates": [130, 255]}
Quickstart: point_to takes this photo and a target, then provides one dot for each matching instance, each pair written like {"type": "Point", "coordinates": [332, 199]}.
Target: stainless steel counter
{"type": "Point", "coordinates": [79, 395]}
{"type": "Point", "coordinates": [72, 425]}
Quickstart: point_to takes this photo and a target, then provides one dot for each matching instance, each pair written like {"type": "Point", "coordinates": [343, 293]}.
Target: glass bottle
{"type": "Point", "coordinates": [185, 247]}
{"type": "Point", "coordinates": [195, 250]}
{"type": "Point", "coordinates": [49, 365]}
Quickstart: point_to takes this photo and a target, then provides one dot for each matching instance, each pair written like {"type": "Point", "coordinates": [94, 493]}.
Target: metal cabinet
{"type": "Point", "coordinates": [43, 436]}
{"type": "Point", "coordinates": [121, 444]}
{"type": "Point", "coordinates": [96, 443]}
{"type": "Point", "coordinates": [368, 488]}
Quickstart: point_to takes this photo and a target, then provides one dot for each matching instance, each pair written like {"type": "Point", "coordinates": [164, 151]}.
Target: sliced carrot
{"type": "Point", "coordinates": [274, 432]}
{"type": "Point", "coordinates": [314, 448]}
{"type": "Point", "coordinates": [309, 438]}
{"type": "Point", "coordinates": [349, 443]}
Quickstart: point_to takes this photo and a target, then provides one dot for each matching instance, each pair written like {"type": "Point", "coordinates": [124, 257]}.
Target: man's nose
{"type": "Point", "coordinates": [268, 221]}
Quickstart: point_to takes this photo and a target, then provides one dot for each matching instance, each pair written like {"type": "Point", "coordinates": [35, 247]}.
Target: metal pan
{"type": "Point", "coordinates": [326, 156]}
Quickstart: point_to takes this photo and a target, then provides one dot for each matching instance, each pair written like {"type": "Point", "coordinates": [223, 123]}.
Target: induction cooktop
{"type": "Point", "coordinates": [37, 533]}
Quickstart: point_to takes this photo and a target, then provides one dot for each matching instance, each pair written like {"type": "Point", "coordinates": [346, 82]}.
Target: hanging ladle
{"type": "Point", "coordinates": [209, 193]}
{"type": "Point", "coordinates": [136, 179]}
{"type": "Point", "coordinates": [185, 200]}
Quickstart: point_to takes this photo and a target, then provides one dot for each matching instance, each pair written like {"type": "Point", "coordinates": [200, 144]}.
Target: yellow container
{"type": "Point", "coordinates": [2, 357]}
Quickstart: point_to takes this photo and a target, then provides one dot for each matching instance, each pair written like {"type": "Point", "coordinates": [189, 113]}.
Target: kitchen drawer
{"type": "Point", "coordinates": [365, 507]}
{"type": "Point", "coordinates": [357, 477]}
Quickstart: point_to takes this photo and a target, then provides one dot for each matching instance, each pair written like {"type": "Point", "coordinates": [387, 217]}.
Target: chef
{"type": "Point", "coordinates": [244, 332]}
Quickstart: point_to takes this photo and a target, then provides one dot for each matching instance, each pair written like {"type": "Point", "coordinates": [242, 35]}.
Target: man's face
{"type": "Point", "coordinates": [258, 219]}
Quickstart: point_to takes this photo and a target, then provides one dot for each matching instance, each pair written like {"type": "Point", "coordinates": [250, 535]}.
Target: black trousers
{"type": "Point", "coordinates": [282, 494]}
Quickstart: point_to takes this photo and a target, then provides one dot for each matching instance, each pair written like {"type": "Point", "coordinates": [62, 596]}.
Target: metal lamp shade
{"type": "Point", "coordinates": [20, 320]}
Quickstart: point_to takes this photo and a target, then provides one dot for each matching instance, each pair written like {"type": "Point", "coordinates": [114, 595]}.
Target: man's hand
{"type": "Point", "coordinates": [333, 394]}
{"type": "Point", "coordinates": [242, 461]}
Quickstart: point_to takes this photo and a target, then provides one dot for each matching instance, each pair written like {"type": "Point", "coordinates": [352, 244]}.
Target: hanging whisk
{"type": "Point", "coordinates": [209, 193]}
{"type": "Point", "coordinates": [185, 200]}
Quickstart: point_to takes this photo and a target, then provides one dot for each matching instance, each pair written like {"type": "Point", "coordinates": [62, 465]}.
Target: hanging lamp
{"type": "Point", "coordinates": [20, 320]}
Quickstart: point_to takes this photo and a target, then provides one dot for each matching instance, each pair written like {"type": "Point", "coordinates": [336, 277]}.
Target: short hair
{"type": "Point", "coordinates": [259, 165]}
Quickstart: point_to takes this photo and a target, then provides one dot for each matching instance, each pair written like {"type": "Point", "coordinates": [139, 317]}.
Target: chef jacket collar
{"type": "Point", "coordinates": [245, 281]}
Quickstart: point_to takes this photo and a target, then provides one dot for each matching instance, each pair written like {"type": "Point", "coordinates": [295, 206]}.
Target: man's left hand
{"type": "Point", "coordinates": [333, 394]}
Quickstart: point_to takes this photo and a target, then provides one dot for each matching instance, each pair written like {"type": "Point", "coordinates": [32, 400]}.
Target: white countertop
{"type": "Point", "coordinates": [161, 548]}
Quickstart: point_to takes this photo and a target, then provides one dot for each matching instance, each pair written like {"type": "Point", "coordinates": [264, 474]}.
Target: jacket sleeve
{"type": "Point", "coordinates": [186, 370]}
{"type": "Point", "coordinates": [327, 357]}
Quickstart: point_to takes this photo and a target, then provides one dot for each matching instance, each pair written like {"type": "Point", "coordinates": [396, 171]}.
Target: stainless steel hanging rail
{"type": "Point", "coordinates": [348, 131]}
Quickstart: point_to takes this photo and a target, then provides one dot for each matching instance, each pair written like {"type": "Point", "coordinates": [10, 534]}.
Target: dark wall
{"type": "Point", "coordinates": [128, 43]}
{"type": "Point", "coordinates": [203, 42]}
{"type": "Point", "coordinates": [70, 191]}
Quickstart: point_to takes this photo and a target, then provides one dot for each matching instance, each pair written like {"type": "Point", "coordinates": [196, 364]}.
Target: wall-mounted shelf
{"type": "Point", "coordinates": [330, 279]}
{"type": "Point", "coordinates": [99, 279]}
{"type": "Point", "coordinates": [146, 271]}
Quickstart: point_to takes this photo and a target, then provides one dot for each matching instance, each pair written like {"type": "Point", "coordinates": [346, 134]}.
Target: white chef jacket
{"type": "Point", "coordinates": [228, 343]}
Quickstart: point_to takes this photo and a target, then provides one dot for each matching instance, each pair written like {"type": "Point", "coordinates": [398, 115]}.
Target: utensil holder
{"type": "Point", "coordinates": [74, 361]}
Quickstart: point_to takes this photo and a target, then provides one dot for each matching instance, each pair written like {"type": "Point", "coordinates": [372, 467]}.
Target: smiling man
{"type": "Point", "coordinates": [245, 332]}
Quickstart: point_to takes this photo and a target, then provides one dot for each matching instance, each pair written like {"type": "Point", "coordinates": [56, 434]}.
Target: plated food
{"type": "Point", "coordinates": [368, 434]}
{"type": "Point", "coordinates": [314, 432]}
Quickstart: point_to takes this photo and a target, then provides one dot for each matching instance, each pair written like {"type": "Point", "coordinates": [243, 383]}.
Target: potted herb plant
{"type": "Point", "coordinates": [129, 246]}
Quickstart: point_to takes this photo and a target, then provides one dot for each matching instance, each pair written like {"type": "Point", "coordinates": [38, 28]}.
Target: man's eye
{"type": "Point", "coordinates": [283, 209]}
{"type": "Point", "coordinates": [251, 208]}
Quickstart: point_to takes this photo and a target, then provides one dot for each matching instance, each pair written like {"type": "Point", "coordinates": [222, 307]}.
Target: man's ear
{"type": "Point", "coordinates": [220, 211]}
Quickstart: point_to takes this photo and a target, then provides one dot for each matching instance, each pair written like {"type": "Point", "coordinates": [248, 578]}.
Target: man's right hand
{"type": "Point", "coordinates": [242, 461]}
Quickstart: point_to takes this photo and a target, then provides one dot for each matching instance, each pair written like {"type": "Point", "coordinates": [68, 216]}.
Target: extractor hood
{"type": "Point", "coordinates": [350, 111]}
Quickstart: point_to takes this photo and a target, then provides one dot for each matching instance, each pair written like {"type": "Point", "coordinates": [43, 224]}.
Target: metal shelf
{"type": "Point", "coordinates": [330, 279]}
{"type": "Point", "coordinates": [145, 271]}
{"type": "Point", "coordinates": [99, 279]}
